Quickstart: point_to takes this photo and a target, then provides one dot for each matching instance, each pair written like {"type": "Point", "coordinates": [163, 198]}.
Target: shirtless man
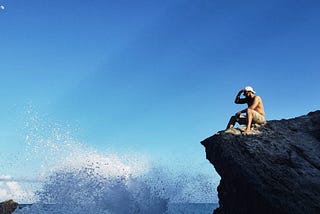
{"type": "Point", "coordinates": [254, 112]}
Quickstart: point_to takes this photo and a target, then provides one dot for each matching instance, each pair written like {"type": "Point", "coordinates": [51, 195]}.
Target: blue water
{"type": "Point", "coordinates": [94, 188]}
{"type": "Point", "coordinates": [75, 179]}
{"type": "Point", "coordinates": [90, 189]}
{"type": "Point", "coordinates": [191, 208]}
{"type": "Point", "coordinates": [173, 208]}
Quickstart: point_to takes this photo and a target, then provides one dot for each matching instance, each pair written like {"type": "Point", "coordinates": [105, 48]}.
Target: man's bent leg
{"type": "Point", "coordinates": [249, 119]}
{"type": "Point", "coordinates": [232, 122]}
{"type": "Point", "coordinates": [242, 120]}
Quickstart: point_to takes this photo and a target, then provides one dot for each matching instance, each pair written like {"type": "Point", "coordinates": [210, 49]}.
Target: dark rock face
{"type": "Point", "coordinates": [7, 207]}
{"type": "Point", "coordinates": [276, 171]}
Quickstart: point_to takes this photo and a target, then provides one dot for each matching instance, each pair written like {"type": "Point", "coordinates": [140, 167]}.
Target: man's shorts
{"type": "Point", "coordinates": [256, 119]}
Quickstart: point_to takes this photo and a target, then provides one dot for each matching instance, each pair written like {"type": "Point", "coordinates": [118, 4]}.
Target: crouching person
{"type": "Point", "coordinates": [253, 114]}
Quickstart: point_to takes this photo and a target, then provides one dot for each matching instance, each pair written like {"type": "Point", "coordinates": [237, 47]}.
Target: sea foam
{"type": "Point", "coordinates": [88, 182]}
{"type": "Point", "coordinates": [76, 178]}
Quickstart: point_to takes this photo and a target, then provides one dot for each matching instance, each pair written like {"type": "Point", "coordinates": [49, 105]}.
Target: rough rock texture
{"type": "Point", "coordinates": [274, 171]}
{"type": "Point", "coordinates": [8, 207]}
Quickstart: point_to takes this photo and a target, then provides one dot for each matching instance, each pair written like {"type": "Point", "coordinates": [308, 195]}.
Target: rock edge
{"type": "Point", "coordinates": [274, 171]}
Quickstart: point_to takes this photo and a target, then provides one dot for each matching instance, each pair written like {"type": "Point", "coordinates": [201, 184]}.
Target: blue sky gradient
{"type": "Point", "coordinates": [155, 77]}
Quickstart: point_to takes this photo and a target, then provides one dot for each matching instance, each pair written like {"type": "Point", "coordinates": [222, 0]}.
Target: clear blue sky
{"type": "Point", "coordinates": [155, 76]}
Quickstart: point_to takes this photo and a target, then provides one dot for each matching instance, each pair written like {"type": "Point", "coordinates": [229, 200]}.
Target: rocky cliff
{"type": "Point", "coordinates": [275, 171]}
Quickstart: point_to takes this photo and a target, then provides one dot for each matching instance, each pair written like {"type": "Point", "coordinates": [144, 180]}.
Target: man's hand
{"type": "Point", "coordinates": [240, 92]}
{"type": "Point", "coordinates": [238, 114]}
{"type": "Point", "coordinates": [239, 100]}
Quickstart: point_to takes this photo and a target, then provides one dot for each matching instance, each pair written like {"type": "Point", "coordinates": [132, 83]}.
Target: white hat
{"type": "Point", "coordinates": [249, 88]}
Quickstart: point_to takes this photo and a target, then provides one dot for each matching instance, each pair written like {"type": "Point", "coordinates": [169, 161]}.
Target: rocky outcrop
{"type": "Point", "coordinates": [8, 207]}
{"type": "Point", "coordinates": [276, 170]}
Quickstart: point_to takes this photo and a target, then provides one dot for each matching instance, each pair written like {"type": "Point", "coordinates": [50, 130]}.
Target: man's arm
{"type": "Point", "coordinates": [239, 100]}
{"type": "Point", "coordinates": [240, 112]}
{"type": "Point", "coordinates": [253, 106]}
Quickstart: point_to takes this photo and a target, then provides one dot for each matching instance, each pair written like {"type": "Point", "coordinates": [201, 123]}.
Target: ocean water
{"type": "Point", "coordinates": [191, 208]}
{"type": "Point", "coordinates": [173, 208]}
{"type": "Point", "coordinates": [106, 185]}
{"type": "Point", "coordinates": [112, 189]}
{"type": "Point", "coordinates": [74, 179]}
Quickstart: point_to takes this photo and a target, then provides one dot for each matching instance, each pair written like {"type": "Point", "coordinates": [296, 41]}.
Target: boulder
{"type": "Point", "coordinates": [275, 170]}
{"type": "Point", "coordinates": [8, 207]}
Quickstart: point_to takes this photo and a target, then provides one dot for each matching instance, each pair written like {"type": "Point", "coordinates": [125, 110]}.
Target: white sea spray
{"type": "Point", "coordinates": [76, 178]}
